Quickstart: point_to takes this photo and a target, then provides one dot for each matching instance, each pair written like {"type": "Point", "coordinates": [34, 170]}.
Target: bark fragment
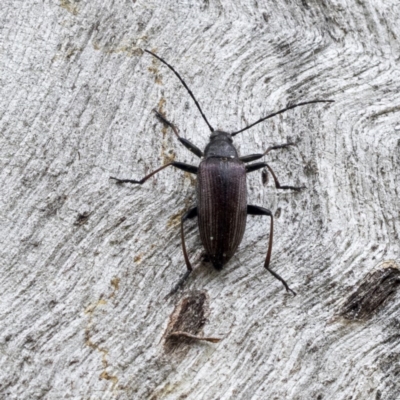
{"type": "Point", "coordinates": [373, 291]}
{"type": "Point", "coordinates": [187, 321]}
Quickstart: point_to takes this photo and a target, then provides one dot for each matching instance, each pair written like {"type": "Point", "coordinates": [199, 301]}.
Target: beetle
{"type": "Point", "coordinates": [221, 190]}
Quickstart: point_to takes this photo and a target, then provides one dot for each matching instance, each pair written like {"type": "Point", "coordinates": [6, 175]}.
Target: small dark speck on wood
{"type": "Point", "coordinates": [372, 292]}
{"type": "Point", "coordinates": [82, 218]}
{"type": "Point", "coordinates": [264, 177]}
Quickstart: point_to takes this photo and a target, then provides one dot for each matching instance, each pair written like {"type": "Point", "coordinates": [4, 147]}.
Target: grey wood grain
{"type": "Point", "coordinates": [86, 263]}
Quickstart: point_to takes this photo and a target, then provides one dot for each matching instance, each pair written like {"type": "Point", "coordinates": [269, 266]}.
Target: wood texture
{"type": "Point", "coordinates": [86, 263]}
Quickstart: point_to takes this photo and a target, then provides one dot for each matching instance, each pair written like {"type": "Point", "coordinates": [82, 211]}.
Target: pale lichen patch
{"type": "Point", "coordinates": [90, 311]}
{"type": "Point", "coordinates": [70, 6]}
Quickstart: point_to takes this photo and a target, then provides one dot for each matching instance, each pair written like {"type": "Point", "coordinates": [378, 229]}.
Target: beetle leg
{"type": "Point", "coordinates": [166, 122]}
{"type": "Point", "coordinates": [278, 185]}
{"type": "Point", "coordinates": [253, 157]}
{"type": "Point", "coordinates": [190, 146]}
{"type": "Point", "coordinates": [184, 167]}
{"type": "Point", "coordinates": [278, 146]}
{"type": "Point", "coordinates": [256, 166]}
{"type": "Point", "coordinates": [256, 210]}
{"type": "Point", "coordinates": [188, 215]}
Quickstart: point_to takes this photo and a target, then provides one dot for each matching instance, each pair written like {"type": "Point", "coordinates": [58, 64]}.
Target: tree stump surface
{"type": "Point", "coordinates": [86, 263]}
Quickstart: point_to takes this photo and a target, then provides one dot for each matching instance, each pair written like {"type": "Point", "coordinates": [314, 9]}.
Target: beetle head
{"type": "Point", "coordinates": [220, 145]}
{"type": "Point", "coordinates": [219, 135]}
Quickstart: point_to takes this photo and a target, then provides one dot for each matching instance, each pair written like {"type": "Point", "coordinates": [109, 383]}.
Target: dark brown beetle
{"type": "Point", "coordinates": [222, 206]}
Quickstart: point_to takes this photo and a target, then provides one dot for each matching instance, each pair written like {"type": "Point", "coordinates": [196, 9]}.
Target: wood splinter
{"type": "Point", "coordinates": [180, 334]}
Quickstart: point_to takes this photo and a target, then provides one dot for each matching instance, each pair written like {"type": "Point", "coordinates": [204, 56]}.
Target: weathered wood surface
{"type": "Point", "coordinates": [86, 263]}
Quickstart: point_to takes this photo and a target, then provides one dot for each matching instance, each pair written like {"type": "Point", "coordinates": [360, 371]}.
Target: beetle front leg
{"type": "Point", "coordinates": [184, 167]}
{"type": "Point", "coordinates": [254, 157]}
{"type": "Point", "coordinates": [190, 146]}
{"type": "Point", "coordinates": [188, 215]}
{"type": "Point", "coordinates": [256, 210]}
{"type": "Point", "coordinates": [256, 166]}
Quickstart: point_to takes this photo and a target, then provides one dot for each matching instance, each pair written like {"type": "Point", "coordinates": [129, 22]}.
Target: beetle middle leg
{"type": "Point", "coordinates": [256, 166]}
{"type": "Point", "coordinates": [256, 210]}
{"type": "Point", "coordinates": [188, 215]}
{"type": "Point", "coordinates": [184, 167]}
{"type": "Point", "coordinates": [189, 145]}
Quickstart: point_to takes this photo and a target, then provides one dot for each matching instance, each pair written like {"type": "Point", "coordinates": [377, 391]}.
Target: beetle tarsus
{"type": "Point", "coordinates": [254, 157]}
{"type": "Point", "coordinates": [256, 166]}
{"type": "Point", "coordinates": [125, 180]}
{"type": "Point", "coordinates": [166, 122]}
{"type": "Point", "coordinates": [184, 167]}
{"type": "Point", "coordinates": [279, 146]}
{"type": "Point", "coordinates": [275, 275]}
{"type": "Point", "coordinates": [296, 188]}
{"type": "Point", "coordinates": [179, 284]}
{"type": "Point", "coordinates": [190, 146]}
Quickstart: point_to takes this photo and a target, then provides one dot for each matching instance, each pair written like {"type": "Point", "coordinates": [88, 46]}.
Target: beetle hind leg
{"type": "Point", "coordinates": [188, 215]}
{"type": "Point", "coordinates": [256, 210]}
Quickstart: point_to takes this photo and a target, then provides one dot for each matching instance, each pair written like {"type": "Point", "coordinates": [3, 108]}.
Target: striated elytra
{"type": "Point", "coordinates": [222, 207]}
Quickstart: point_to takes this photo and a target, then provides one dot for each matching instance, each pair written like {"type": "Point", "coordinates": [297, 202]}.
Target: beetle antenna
{"type": "Point", "coordinates": [184, 84]}
{"type": "Point", "coordinates": [280, 112]}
